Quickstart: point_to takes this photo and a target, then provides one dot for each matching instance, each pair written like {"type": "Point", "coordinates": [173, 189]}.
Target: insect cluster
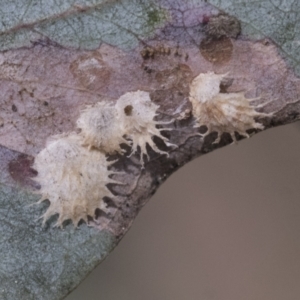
{"type": "Point", "coordinates": [73, 168]}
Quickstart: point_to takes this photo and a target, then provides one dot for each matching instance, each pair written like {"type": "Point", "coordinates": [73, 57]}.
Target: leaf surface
{"type": "Point", "coordinates": [62, 55]}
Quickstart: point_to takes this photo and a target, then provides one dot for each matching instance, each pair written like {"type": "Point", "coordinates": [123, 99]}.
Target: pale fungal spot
{"type": "Point", "coordinates": [222, 112]}
{"type": "Point", "coordinates": [73, 178]}
{"type": "Point", "coordinates": [100, 128]}
{"type": "Point", "coordinates": [136, 113]}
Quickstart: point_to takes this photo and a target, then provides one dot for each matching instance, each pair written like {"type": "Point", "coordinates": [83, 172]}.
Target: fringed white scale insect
{"type": "Point", "coordinates": [222, 112]}
{"type": "Point", "coordinates": [73, 178]}
{"type": "Point", "coordinates": [100, 128]}
{"type": "Point", "coordinates": [136, 113]}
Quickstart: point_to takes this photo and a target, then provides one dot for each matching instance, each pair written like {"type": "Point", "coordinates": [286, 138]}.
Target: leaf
{"type": "Point", "coordinates": [80, 24]}
{"type": "Point", "coordinates": [41, 262]}
{"type": "Point", "coordinates": [277, 20]}
{"type": "Point", "coordinates": [61, 56]}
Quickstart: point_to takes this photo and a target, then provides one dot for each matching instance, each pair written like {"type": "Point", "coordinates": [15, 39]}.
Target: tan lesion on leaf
{"type": "Point", "coordinates": [91, 71]}
{"type": "Point", "coordinates": [217, 50]}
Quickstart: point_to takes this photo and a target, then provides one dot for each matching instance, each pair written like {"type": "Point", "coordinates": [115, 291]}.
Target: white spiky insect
{"type": "Point", "coordinates": [73, 178]}
{"type": "Point", "coordinates": [222, 112]}
{"type": "Point", "coordinates": [136, 113]}
{"type": "Point", "coordinates": [73, 170]}
{"type": "Point", "coordinates": [100, 128]}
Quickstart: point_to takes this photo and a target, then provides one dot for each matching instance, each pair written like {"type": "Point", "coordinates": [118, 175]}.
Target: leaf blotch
{"type": "Point", "coordinates": [20, 169]}
{"type": "Point", "coordinates": [91, 71]}
{"type": "Point", "coordinates": [217, 51]}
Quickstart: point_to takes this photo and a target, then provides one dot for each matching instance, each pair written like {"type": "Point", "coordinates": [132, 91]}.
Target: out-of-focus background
{"type": "Point", "coordinates": [224, 227]}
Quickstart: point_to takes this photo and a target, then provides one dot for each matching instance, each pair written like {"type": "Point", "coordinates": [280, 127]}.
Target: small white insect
{"type": "Point", "coordinates": [100, 128]}
{"type": "Point", "coordinates": [73, 178]}
{"type": "Point", "coordinates": [136, 113]}
{"type": "Point", "coordinates": [222, 112]}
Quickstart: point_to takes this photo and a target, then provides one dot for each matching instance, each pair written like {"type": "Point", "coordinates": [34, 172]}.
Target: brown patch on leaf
{"type": "Point", "coordinates": [147, 53]}
{"type": "Point", "coordinates": [217, 51]}
{"type": "Point", "coordinates": [20, 169]}
{"type": "Point", "coordinates": [91, 71]}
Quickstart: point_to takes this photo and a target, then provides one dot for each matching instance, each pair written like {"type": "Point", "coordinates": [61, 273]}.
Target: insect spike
{"type": "Point", "coordinates": [136, 113]}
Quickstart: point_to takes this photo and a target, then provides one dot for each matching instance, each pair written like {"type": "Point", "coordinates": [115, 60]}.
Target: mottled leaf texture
{"type": "Point", "coordinates": [59, 56]}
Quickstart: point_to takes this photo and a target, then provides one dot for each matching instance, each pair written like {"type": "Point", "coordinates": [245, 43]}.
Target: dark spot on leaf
{"type": "Point", "coordinates": [147, 53]}
{"type": "Point", "coordinates": [205, 19]}
{"type": "Point", "coordinates": [14, 108]}
{"type": "Point", "coordinates": [148, 70]}
{"type": "Point", "coordinates": [20, 169]}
